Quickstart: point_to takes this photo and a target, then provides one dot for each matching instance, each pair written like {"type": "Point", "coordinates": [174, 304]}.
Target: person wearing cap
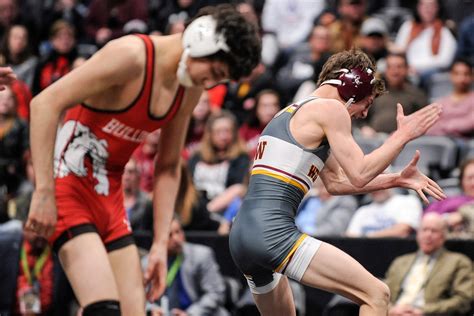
{"type": "Point", "coordinates": [128, 89]}
{"type": "Point", "coordinates": [373, 40]}
{"type": "Point", "coordinates": [312, 138]}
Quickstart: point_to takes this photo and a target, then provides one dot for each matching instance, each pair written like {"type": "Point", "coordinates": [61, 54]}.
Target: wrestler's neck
{"type": "Point", "coordinates": [328, 91]}
{"type": "Point", "coordinates": [168, 52]}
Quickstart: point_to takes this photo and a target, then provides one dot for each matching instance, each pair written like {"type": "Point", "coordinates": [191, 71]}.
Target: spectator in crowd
{"type": "Point", "coordinates": [58, 61]}
{"type": "Point", "coordinates": [382, 115]}
{"type": "Point", "coordinates": [9, 14]}
{"type": "Point", "coordinates": [220, 166]}
{"type": "Point", "coordinates": [16, 52]}
{"type": "Point", "coordinates": [428, 43]}
{"type": "Point", "coordinates": [453, 203]}
{"type": "Point", "coordinates": [191, 209]}
{"type": "Point", "coordinates": [27, 270]}
{"type": "Point", "coordinates": [374, 40]}
{"type": "Point", "coordinates": [194, 284]}
{"type": "Point", "coordinates": [168, 11]}
{"type": "Point", "coordinates": [176, 23]}
{"type": "Point", "coordinates": [106, 18]}
{"type": "Point", "coordinates": [302, 62]}
{"type": "Point", "coordinates": [345, 30]}
{"type": "Point", "coordinates": [466, 39]}
{"type": "Point", "coordinates": [35, 279]}
{"type": "Point", "coordinates": [267, 105]}
{"type": "Point", "coordinates": [137, 26]}
{"type": "Point", "coordinates": [23, 97]}
{"type": "Point", "coordinates": [323, 214]}
{"type": "Point", "coordinates": [19, 205]}
{"type": "Point", "coordinates": [461, 222]}
{"type": "Point", "coordinates": [433, 280]}
{"type": "Point", "coordinates": [389, 215]}
{"type": "Point", "coordinates": [457, 118]}
{"type": "Point", "coordinates": [145, 156]}
{"type": "Point", "coordinates": [79, 61]}
{"type": "Point", "coordinates": [270, 48]}
{"type": "Point", "coordinates": [7, 77]}
{"type": "Point", "coordinates": [290, 20]}
{"type": "Point", "coordinates": [135, 200]}
{"type": "Point", "coordinates": [72, 11]}
{"type": "Point", "coordinates": [196, 128]}
{"type": "Point", "coordinates": [13, 143]}
{"type": "Point", "coordinates": [240, 96]}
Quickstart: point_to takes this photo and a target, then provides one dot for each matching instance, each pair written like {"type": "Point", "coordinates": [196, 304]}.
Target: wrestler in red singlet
{"type": "Point", "coordinates": [91, 151]}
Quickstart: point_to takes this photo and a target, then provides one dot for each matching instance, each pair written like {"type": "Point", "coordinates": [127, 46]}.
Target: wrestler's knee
{"type": "Point", "coordinates": [379, 295]}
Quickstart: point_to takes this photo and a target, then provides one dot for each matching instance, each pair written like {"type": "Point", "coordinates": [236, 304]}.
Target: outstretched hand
{"type": "Point", "coordinates": [155, 273]}
{"type": "Point", "coordinates": [417, 123]}
{"type": "Point", "coordinates": [412, 178]}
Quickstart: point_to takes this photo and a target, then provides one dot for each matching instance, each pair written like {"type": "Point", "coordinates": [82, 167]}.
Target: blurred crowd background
{"type": "Point", "coordinates": [424, 51]}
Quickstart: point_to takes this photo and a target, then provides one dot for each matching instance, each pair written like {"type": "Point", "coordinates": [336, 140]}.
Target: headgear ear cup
{"type": "Point", "coordinates": [201, 38]}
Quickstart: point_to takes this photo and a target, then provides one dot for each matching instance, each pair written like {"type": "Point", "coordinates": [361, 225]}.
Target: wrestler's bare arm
{"type": "Point", "coordinates": [359, 168]}
{"type": "Point", "coordinates": [337, 183]}
{"type": "Point", "coordinates": [165, 189]}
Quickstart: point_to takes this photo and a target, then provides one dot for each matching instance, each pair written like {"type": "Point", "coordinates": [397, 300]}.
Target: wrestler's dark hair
{"type": "Point", "coordinates": [350, 59]}
{"type": "Point", "coordinates": [241, 37]}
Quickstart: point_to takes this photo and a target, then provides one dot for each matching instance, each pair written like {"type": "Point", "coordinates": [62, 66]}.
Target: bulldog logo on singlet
{"type": "Point", "coordinates": [76, 142]}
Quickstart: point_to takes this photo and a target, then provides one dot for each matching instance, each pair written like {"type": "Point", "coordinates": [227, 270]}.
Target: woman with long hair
{"type": "Point", "coordinates": [15, 51]}
{"type": "Point", "coordinates": [220, 166]}
{"type": "Point", "coordinates": [428, 43]}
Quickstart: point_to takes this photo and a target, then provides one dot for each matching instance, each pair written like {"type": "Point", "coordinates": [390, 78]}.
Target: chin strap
{"type": "Point", "coordinates": [349, 103]}
{"type": "Point", "coordinates": [182, 73]}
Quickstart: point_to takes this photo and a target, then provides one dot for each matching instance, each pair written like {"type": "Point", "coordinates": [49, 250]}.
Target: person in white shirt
{"type": "Point", "coordinates": [389, 215]}
{"type": "Point", "coordinates": [290, 20]}
{"type": "Point", "coordinates": [428, 43]}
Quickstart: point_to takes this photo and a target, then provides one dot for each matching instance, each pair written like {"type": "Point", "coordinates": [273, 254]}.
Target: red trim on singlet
{"type": "Point", "coordinates": [147, 88]}
{"type": "Point", "coordinates": [178, 99]}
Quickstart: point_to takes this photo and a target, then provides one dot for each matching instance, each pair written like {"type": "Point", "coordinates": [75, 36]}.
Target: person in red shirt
{"type": "Point", "coordinates": [131, 87]}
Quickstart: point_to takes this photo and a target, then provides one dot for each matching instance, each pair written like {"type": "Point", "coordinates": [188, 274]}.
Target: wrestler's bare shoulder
{"type": "Point", "coordinates": [324, 106]}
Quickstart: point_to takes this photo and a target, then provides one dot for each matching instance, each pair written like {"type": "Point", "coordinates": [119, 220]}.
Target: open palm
{"type": "Point", "coordinates": [412, 178]}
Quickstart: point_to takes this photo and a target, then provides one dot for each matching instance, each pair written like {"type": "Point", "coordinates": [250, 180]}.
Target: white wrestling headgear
{"type": "Point", "coordinates": [199, 40]}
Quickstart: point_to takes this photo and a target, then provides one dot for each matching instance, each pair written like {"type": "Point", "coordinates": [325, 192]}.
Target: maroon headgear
{"type": "Point", "coordinates": [355, 84]}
